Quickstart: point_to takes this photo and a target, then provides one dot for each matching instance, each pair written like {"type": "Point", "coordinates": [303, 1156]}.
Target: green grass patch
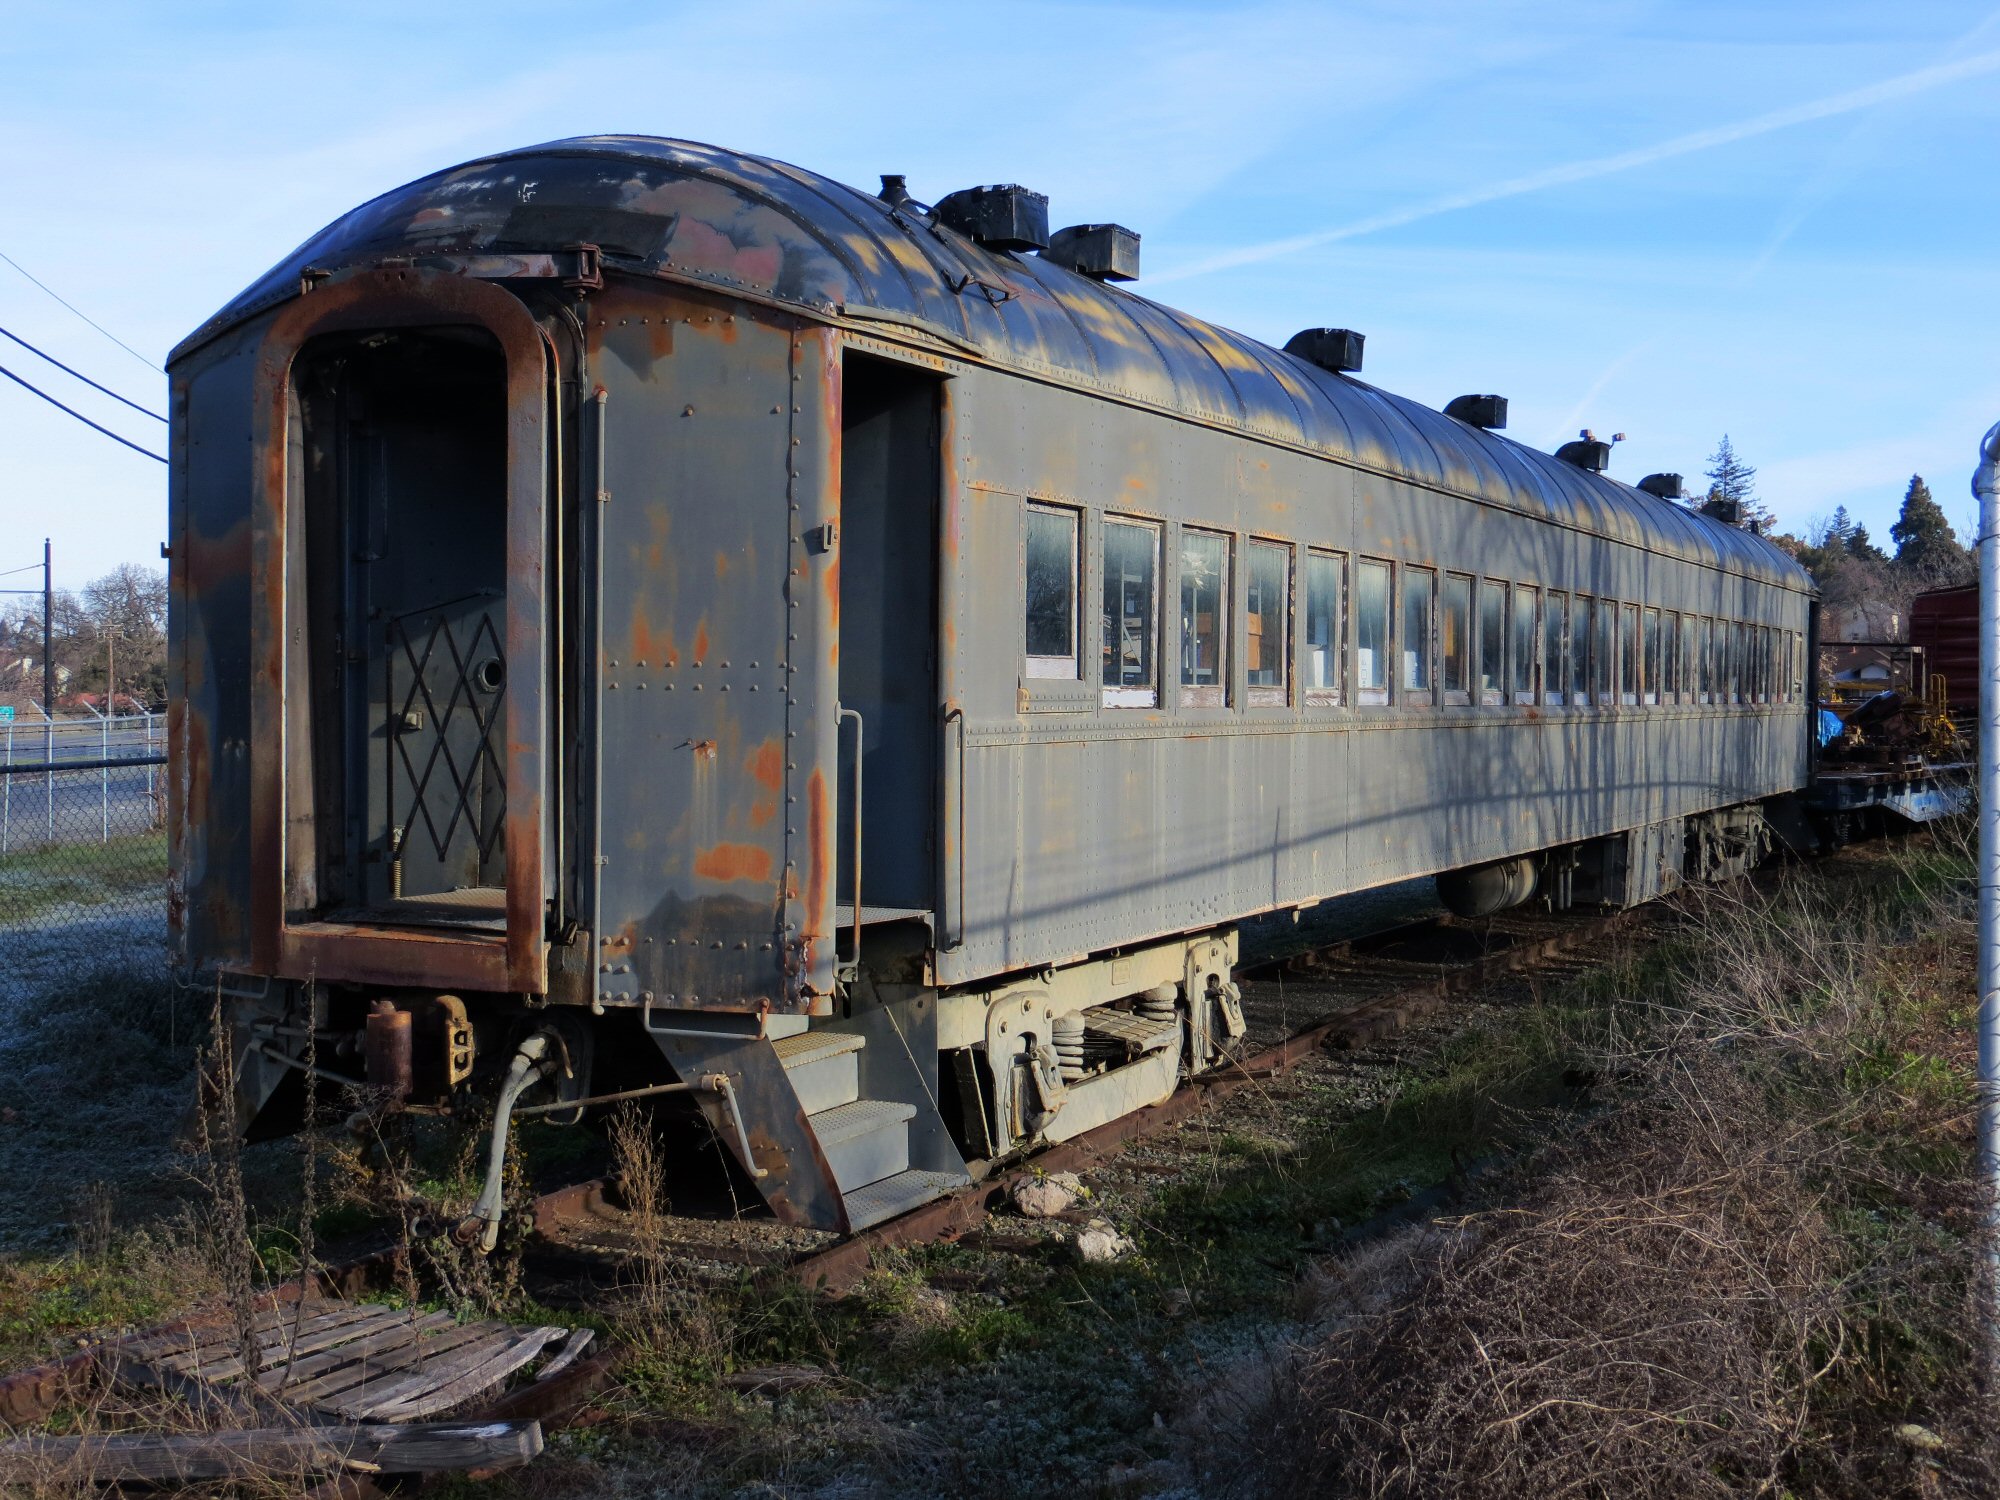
{"type": "Point", "coordinates": [37, 883]}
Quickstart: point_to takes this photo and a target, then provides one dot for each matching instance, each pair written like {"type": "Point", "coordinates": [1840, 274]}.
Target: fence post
{"type": "Point", "coordinates": [7, 791]}
{"type": "Point", "coordinates": [104, 782]}
{"type": "Point", "coordinates": [49, 776]}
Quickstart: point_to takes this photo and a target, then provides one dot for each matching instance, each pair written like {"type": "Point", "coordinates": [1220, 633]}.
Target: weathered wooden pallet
{"type": "Point", "coordinates": [337, 1361]}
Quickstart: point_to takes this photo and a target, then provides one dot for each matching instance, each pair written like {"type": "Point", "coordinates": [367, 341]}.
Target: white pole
{"type": "Point", "coordinates": [1986, 485]}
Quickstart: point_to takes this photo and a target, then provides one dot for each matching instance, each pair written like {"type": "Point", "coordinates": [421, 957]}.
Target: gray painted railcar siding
{"type": "Point", "coordinates": [1090, 827]}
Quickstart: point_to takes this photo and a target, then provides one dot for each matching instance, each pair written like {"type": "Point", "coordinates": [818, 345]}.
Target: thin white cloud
{"type": "Point", "coordinates": [1902, 86]}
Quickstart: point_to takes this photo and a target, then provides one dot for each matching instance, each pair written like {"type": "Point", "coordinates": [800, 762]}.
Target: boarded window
{"type": "Point", "coordinates": [1051, 567]}
{"type": "Point", "coordinates": [1204, 619]}
{"type": "Point", "coordinates": [1492, 642]}
{"type": "Point", "coordinates": [1629, 674]}
{"type": "Point", "coordinates": [1326, 593]}
{"type": "Point", "coordinates": [1419, 603]}
{"type": "Point", "coordinates": [1525, 643]}
{"type": "Point", "coordinates": [1455, 639]}
{"type": "Point", "coordinates": [1555, 631]}
{"type": "Point", "coordinates": [1579, 650]}
{"type": "Point", "coordinates": [1267, 598]}
{"type": "Point", "coordinates": [1371, 632]}
{"type": "Point", "coordinates": [1131, 614]}
{"type": "Point", "coordinates": [1649, 688]}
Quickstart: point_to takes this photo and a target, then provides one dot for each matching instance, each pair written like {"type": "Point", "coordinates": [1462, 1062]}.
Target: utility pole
{"type": "Point", "coordinates": [48, 634]}
{"type": "Point", "coordinates": [1986, 485]}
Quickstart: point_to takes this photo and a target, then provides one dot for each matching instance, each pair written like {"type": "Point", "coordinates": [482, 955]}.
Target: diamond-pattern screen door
{"type": "Point", "coordinates": [446, 783]}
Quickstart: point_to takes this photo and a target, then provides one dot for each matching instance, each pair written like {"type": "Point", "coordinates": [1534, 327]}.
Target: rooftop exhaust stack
{"type": "Point", "coordinates": [1002, 217]}
{"type": "Point", "coordinates": [1664, 486]}
{"type": "Point", "coordinates": [1103, 252]}
{"type": "Point", "coordinates": [1335, 349]}
{"type": "Point", "coordinates": [895, 189]}
{"type": "Point", "coordinates": [1478, 411]}
{"type": "Point", "coordinates": [1586, 453]}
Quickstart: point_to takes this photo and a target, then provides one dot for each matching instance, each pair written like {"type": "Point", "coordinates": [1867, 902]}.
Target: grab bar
{"type": "Point", "coordinates": [958, 909]}
{"type": "Point", "coordinates": [848, 713]}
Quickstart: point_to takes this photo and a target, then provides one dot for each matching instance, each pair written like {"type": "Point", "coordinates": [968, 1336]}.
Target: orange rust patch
{"type": "Point", "coordinates": [721, 565]}
{"type": "Point", "coordinates": [819, 855]}
{"type": "Point", "coordinates": [649, 644]}
{"type": "Point", "coordinates": [733, 862]}
{"type": "Point", "coordinates": [768, 765]}
{"type": "Point", "coordinates": [701, 642]}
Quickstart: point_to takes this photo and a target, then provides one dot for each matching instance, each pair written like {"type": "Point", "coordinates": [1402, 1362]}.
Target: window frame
{"type": "Point", "coordinates": [1670, 656]}
{"type": "Point", "coordinates": [1582, 621]}
{"type": "Point", "coordinates": [1496, 696]}
{"type": "Point", "coordinates": [1265, 695]}
{"type": "Point", "coordinates": [1604, 653]}
{"type": "Point", "coordinates": [1055, 669]}
{"type": "Point", "coordinates": [1555, 617]}
{"type": "Point", "coordinates": [1631, 656]}
{"type": "Point", "coordinates": [1649, 656]}
{"type": "Point", "coordinates": [1221, 692]}
{"type": "Point", "coordinates": [1517, 694]}
{"type": "Point", "coordinates": [1122, 696]}
{"type": "Point", "coordinates": [1331, 694]}
{"type": "Point", "coordinates": [1462, 694]}
{"type": "Point", "coordinates": [1413, 695]}
{"type": "Point", "coordinates": [1383, 693]}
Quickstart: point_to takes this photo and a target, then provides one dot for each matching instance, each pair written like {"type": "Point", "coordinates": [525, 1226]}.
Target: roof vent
{"type": "Point", "coordinates": [1336, 349]}
{"type": "Point", "coordinates": [1103, 252]}
{"type": "Point", "coordinates": [1664, 486]}
{"type": "Point", "coordinates": [895, 189]}
{"type": "Point", "coordinates": [1588, 452]}
{"type": "Point", "coordinates": [1003, 217]}
{"type": "Point", "coordinates": [1726, 511]}
{"type": "Point", "coordinates": [1478, 411]}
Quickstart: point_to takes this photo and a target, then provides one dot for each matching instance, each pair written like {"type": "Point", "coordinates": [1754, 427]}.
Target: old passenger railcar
{"type": "Point", "coordinates": [646, 617]}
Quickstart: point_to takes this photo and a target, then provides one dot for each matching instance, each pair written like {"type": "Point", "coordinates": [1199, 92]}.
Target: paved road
{"type": "Point", "coordinates": [62, 807]}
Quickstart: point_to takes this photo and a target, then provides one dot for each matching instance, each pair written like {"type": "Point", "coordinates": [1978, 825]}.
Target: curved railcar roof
{"type": "Point", "coordinates": [772, 231]}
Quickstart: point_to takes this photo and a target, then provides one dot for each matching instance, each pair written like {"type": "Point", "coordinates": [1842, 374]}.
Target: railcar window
{"type": "Point", "coordinates": [1131, 614]}
{"type": "Point", "coordinates": [1419, 603]}
{"type": "Point", "coordinates": [1798, 670]}
{"type": "Point", "coordinates": [1604, 653]}
{"type": "Point", "coordinates": [1050, 564]}
{"type": "Point", "coordinates": [1670, 657]}
{"type": "Point", "coordinates": [1649, 690]}
{"type": "Point", "coordinates": [1524, 644]}
{"type": "Point", "coordinates": [1764, 673]}
{"type": "Point", "coordinates": [1555, 631]}
{"type": "Point", "coordinates": [1629, 674]}
{"type": "Point", "coordinates": [1579, 650]}
{"type": "Point", "coordinates": [1492, 643]}
{"type": "Point", "coordinates": [1371, 633]}
{"type": "Point", "coordinates": [1737, 692]}
{"type": "Point", "coordinates": [1205, 619]}
{"type": "Point", "coordinates": [1267, 593]}
{"type": "Point", "coordinates": [1705, 659]}
{"type": "Point", "coordinates": [1455, 640]}
{"type": "Point", "coordinates": [1326, 592]}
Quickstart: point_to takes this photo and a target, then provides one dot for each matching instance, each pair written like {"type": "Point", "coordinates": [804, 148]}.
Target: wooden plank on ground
{"type": "Point", "coordinates": [321, 1390]}
{"type": "Point", "coordinates": [472, 1382]}
{"type": "Point", "coordinates": [380, 1341]}
{"type": "Point", "coordinates": [393, 1448]}
{"type": "Point", "coordinates": [489, 1340]}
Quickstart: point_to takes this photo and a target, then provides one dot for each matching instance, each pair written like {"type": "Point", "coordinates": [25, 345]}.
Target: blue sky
{"type": "Point", "coordinates": [1670, 220]}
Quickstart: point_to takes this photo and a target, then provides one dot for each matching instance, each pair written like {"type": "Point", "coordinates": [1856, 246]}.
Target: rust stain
{"type": "Point", "coordinates": [726, 862]}
{"type": "Point", "coordinates": [721, 566]}
{"type": "Point", "coordinates": [819, 855]}
{"type": "Point", "coordinates": [701, 641]}
{"type": "Point", "coordinates": [648, 644]}
{"type": "Point", "coordinates": [768, 765]}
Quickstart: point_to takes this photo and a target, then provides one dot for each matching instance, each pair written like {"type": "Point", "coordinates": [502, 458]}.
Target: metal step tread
{"type": "Point", "coordinates": [809, 1047]}
{"type": "Point", "coordinates": [891, 1196]}
{"type": "Point", "coordinates": [846, 1121]}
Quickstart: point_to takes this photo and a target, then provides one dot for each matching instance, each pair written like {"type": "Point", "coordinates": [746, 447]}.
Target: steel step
{"type": "Point", "coordinates": [864, 1141]}
{"type": "Point", "coordinates": [823, 1068]}
{"type": "Point", "coordinates": [898, 1195]}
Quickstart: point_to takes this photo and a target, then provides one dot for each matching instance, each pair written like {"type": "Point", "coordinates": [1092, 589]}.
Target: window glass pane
{"type": "Point", "coordinates": [1051, 593]}
{"type": "Point", "coordinates": [1455, 639]}
{"type": "Point", "coordinates": [1707, 659]}
{"type": "Point", "coordinates": [1579, 650]}
{"type": "Point", "coordinates": [1555, 631]}
{"type": "Point", "coordinates": [1131, 614]}
{"type": "Point", "coordinates": [1326, 584]}
{"type": "Point", "coordinates": [1492, 642]}
{"type": "Point", "coordinates": [1267, 596]}
{"type": "Point", "coordinates": [1650, 690]}
{"type": "Point", "coordinates": [1670, 658]}
{"type": "Point", "coordinates": [1204, 618]}
{"type": "Point", "coordinates": [1603, 650]}
{"type": "Point", "coordinates": [1371, 632]}
{"type": "Point", "coordinates": [1628, 653]}
{"type": "Point", "coordinates": [1524, 643]}
{"type": "Point", "coordinates": [1419, 598]}
{"type": "Point", "coordinates": [1736, 661]}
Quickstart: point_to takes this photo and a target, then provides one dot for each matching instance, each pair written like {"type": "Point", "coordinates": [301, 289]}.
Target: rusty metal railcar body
{"type": "Point", "coordinates": [548, 534]}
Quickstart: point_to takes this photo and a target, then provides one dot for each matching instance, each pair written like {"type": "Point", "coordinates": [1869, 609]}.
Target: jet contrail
{"type": "Point", "coordinates": [1900, 87]}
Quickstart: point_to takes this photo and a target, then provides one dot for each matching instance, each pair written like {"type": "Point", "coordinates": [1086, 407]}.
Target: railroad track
{"type": "Point", "coordinates": [1362, 990]}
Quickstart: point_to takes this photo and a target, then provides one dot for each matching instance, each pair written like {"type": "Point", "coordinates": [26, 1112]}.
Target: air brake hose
{"type": "Point", "coordinates": [530, 1065]}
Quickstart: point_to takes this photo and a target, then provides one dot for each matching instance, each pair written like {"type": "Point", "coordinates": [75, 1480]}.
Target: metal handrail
{"type": "Point", "coordinates": [859, 730]}
{"type": "Point", "coordinates": [958, 908]}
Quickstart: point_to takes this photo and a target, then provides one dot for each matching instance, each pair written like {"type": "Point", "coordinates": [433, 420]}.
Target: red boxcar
{"type": "Point", "coordinates": [1944, 623]}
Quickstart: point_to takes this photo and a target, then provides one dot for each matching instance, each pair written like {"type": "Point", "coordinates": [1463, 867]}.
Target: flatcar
{"type": "Point", "coordinates": [654, 621]}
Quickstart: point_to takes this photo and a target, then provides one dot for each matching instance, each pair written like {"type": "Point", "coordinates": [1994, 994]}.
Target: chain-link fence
{"type": "Point", "coordinates": [83, 848]}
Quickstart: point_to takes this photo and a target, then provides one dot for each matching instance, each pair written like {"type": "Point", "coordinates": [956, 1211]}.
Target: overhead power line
{"type": "Point", "coordinates": [80, 375]}
{"type": "Point", "coordinates": [80, 416]}
{"type": "Point", "coordinates": [79, 312]}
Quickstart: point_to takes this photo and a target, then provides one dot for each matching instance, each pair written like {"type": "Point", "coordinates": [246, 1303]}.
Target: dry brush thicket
{"type": "Point", "coordinates": [1752, 1270]}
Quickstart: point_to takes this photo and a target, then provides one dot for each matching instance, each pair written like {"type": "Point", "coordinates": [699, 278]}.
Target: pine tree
{"type": "Point", "coordinates": [1859, 546]}
{"type": "Point", "coordinates": [1841, 526]}
{"type": "Point", "coordinates": [1731, 479]}
{"type": "Point", "coordinates": [1926, 547]}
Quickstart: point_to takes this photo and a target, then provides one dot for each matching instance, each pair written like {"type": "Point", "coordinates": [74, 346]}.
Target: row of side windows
{"type": "Point", "coordinates": [1418, 637]}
